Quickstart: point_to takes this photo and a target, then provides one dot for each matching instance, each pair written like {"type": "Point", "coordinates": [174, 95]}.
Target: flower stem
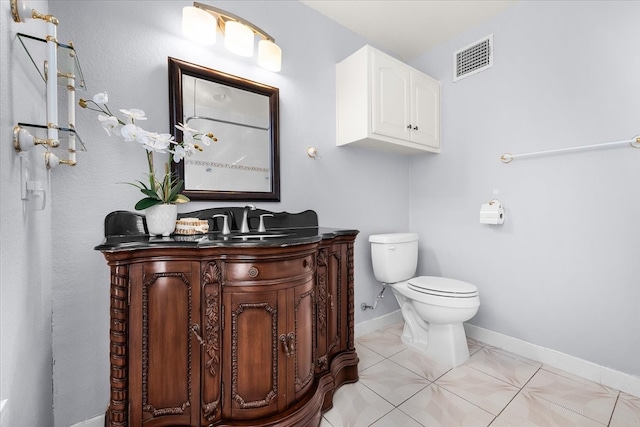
{"type": "Point", "coordinates": [152, 178]}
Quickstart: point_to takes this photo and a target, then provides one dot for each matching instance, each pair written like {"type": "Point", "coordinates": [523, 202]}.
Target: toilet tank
{"type": "Point", "coordinates": [394, 256]}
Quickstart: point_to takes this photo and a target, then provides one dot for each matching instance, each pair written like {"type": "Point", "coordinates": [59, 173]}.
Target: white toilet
{"type": "Point", "coordinates": [433, 308]}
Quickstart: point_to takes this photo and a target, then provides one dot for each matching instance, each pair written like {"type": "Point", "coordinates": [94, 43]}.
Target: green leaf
{"type": "Point", "coordinates": [147, 202]}
{"type": "Point", "coordinates": [181, 198]}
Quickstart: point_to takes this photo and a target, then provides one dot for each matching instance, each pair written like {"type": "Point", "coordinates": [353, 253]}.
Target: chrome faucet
{"type": "Point", "coordinates": [244, 228]}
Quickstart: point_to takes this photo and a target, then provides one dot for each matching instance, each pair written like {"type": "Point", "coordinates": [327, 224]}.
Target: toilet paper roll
{"type": "Point", "coordinates": [492, 213]}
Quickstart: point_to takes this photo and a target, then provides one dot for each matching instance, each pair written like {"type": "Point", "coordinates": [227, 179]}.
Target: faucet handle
{"type": "Point", "coordinates": [225, 225]}
{"type": "Point", "coordinates": [261, 227]}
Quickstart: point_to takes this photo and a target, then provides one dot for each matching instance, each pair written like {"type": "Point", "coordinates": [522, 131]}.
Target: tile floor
{"type": "Point", "coordinates": [399, 387]}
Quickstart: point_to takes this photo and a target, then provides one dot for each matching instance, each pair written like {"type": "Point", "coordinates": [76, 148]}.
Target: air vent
{"type": "Point", "coordinates": [472, 59]}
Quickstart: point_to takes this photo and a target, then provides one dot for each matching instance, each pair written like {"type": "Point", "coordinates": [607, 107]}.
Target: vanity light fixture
{"type": "Point", "coordinates": [200, 23]}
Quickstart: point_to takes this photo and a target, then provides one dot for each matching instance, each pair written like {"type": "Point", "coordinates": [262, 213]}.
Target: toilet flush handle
{"type": "Point", "coordinates": [392, 248]}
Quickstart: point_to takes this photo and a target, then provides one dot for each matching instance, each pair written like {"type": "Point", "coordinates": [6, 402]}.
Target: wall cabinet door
{"type": "Point", "coordinates": [405, 102]}
{"type": "Point", "coordinates": [164, 313]}
{"type": "Point", "coordinates": [390, 98]}
{"type": "Point", "coordinates": [271, 348]}
{"type": "Point", "coordinates": [425, 115]}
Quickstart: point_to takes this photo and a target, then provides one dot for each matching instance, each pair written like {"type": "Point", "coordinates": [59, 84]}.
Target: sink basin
{"type": "Point", "coordinates": [258, 236]}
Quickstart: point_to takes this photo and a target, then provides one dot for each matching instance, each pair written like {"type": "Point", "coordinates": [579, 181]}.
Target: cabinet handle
{"type": "Point", "coordinates": [409, 126]}
{"type": "Point", "coordinates": [195, 329]}
{"type": "Point", "coordinates": [283, 339]}
{"type": "Point", "coordinates": [415, 128]}
{"type": "Point", "coordinates": [290, 338]}
{"type": "Point", "coordinates": [331, 302]}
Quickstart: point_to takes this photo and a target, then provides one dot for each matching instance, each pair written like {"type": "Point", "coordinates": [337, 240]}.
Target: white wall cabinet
{"type": "Point", "coordinates": [384, 104]}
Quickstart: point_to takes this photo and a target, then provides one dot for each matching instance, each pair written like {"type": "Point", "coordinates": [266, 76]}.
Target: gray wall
{"type": "Point", "coordinates": [562, 272]}
{"type": "Point", "coordinates": [25, 240]}
{"type": "Point", "coordinates": [124, 51]}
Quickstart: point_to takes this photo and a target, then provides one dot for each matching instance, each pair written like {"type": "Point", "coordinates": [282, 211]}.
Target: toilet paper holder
{"type": "Point", "coordinates": [492, 213]}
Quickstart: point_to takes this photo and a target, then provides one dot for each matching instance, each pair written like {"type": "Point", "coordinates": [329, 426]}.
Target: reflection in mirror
{"type": "Point", "coordinates": [243, 115]}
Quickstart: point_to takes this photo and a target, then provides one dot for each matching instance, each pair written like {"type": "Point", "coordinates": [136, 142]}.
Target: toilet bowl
{"type": "Point", "coordinates": [433, 316]}
{"type": "Point", "coordinates": [433, 308]}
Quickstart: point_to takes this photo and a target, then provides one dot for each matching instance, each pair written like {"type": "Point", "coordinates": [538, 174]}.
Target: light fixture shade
{"type": "Point", "coordinates": [238, 38]}
{"type": "Point", "coordinates": [269, 55]}
{"type": "Point", "coordinates": [199, 25]}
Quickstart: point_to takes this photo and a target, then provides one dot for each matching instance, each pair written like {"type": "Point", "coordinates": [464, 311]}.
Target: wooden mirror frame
{"type": "Point", "coordinates": [179, 68]}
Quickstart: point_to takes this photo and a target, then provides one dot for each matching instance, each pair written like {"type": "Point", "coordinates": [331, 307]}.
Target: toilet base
{"type": "Point", "coordinates": [448, 344]}
{"type": "Point", "coordinates": [445, 344]}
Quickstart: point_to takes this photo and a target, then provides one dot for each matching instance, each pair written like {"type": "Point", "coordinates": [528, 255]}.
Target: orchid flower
{"type": "Point", "coordinates": [134, 114]}
{"type": "Point", "coordinates": [178, 153]}
{"type": "Point", "coordinates": [132, 132]}
{"type": "Point", "coordinates": [101, 98]}
{"type": "Point", "coordinates": [109, 123]}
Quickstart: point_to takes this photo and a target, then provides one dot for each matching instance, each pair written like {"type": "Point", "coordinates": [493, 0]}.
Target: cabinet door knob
{"type": "Point", "coordinates": [290, 338]}
{"type": "Point", "coordinates": [195, 328]}
{"type": "Point", "coordinates": [415, 128]}
{"type": "Point", "coordinates": [409, 126]}
{"type": "Point", "coordinates": [283, 339]}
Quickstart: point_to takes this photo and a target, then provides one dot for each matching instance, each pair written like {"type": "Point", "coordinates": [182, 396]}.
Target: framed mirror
{"type": "Point", "coordinates": [244, 163]}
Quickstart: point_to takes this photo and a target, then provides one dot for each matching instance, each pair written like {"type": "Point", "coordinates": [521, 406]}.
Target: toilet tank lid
{"type": "Point", "coordinates": [393, 238]}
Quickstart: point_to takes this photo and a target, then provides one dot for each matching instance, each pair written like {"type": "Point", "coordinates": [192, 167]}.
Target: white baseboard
{"type": "Point", "coordinates": [368, 326]}
{"type": "Point", "coordinates": [93, 422]}
{"type": "Point", "coordinates": [574, 365]}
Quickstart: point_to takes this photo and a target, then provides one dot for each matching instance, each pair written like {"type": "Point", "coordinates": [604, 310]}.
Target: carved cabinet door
{"type": "Point", "coordinates": [271, 347]}
{"type": "Point", "coordinates": [164, 368]}
{"type": "Point", "coordinates": [253, 376]}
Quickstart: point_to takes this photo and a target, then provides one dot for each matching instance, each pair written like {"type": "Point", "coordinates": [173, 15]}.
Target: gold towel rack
{"type": "Point", "coordinates": [508, 157]}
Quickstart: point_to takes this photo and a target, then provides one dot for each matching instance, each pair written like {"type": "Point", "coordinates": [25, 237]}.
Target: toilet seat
{"type": "Point", "coordinates": [442, 287]}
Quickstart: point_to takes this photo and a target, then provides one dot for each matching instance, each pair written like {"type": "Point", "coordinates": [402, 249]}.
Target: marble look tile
{"type": "Point", "coordinates": [325, 423]}
{"type": "Point", "coordinates": [393, 382]}
{"type": "Point", "coordinates": [626, 412]}
{"type": "Point", "coordinates": [396, 418]}
{"type": "Point", "coordinates": [581, 396]}
{"type": "Point", "coordinates": [474, 345]}
{"type": "Point", "coordinates": [420, 364]}
{"type": "Point", "coordinates": [354, 405]}
{"type": "Point", "coordinates": [484, 391]}
{"type": "Point", "coordinates": [383, 343]}
{"type": "Point", "coordinates": [395, 329]}
{"type": "Point", "coordinates": [529, 410]}
{"type": "Point", "coordinates": [434, 406]}
{"type": "Point", "coordinates": [513, 370]}
{"type": "Point", "coordinates": [367, 357]}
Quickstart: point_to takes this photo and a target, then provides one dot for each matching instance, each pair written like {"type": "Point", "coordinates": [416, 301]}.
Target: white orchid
{"type": "Point", "coordinates": [131, 132]}
{"type": "Point", "coordinates": [179, 153]}
{"type": "Point", "coordinates": [134, 114]}
{"type": "Point", "coordinates": [101, 98]}
{"type": "Point", "coordinates": [158, 142]}
{"type": "Point", "coordinates": [156, 191]}
{"type": "Point", "coordinates": [109, 123]}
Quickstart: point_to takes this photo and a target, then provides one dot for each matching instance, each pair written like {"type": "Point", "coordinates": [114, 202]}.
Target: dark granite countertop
{"type": "Point", "coordinates": [127, 231]}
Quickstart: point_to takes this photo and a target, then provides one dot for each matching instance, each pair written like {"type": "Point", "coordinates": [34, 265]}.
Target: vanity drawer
{"type": "Point", "coordinates": [267, 270]}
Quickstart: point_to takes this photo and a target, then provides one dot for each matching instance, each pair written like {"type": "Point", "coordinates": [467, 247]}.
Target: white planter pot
{"type": "Point", "coordinates": [161, 219]}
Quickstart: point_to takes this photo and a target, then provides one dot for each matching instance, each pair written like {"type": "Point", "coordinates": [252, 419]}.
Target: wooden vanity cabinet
{"type": "Point", "coordinates": [258, 336]}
